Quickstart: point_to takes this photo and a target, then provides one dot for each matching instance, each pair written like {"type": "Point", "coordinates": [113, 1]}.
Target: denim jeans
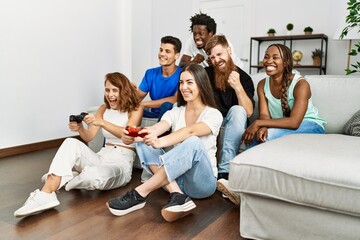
{"type": "Point", "coordinates": [234, 125]}
{"type": "Point", "coordinates": [188, 163]}
{"type": "Point", "coordinates": [306, 126]}
{"type": "Point", "coordinates": [163, 108]}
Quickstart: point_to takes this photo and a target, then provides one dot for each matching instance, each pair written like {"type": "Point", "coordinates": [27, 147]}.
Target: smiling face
{"type": "Point", "coordinates": [167, 55]}
{"type": "Point", "coordinates": [112, 95]}
{"type": "Point", "coordinates": [273, 61]}
{"type": "Point", "coordinates": [220, 58]}
{"type": "Point", "coordinates": [188, 87]}
{"type": "Point", "coordinates": [201, 35]}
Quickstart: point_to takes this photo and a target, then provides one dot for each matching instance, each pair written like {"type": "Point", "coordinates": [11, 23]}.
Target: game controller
{"type": "Point", "coordinates": [134, 131]}
{"type": "Point", "coordinates": [77, 118]}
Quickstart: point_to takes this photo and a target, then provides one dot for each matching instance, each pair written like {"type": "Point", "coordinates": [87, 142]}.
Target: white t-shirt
{"type": "Point", "coordinates": [192, 50]}
{"type": "Point", "coordinates": [210, 116]}
{"type": "Point", "coordinates": [117, 118]}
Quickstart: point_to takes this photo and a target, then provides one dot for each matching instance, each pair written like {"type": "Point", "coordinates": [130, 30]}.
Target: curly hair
{"type": "Point", "coordinates": [203, 19]}
{"type": "Point", "coordinates": [129, 100]}
{"type": "Point", "coordinates": [174, 41]}
{"type": "Point", "coordinates": [286, 56]}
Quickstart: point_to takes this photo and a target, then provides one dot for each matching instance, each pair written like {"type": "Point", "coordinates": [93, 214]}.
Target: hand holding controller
{"type": "Point", "coordinates": [78, 118]}
{"type": "Point", "coordinates": [134, 131]}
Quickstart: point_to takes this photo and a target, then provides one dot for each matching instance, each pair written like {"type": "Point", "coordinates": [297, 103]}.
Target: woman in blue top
{"type": "Point", "coordinates": [285, 105]}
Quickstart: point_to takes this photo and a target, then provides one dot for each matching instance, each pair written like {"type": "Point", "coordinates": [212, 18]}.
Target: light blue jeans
{"type": "Point", "coordinates": [306, 126]}
{"type": "Point", "coordinates": [188, 164]}
{"type": "Point", "coordinates": [234, 125]}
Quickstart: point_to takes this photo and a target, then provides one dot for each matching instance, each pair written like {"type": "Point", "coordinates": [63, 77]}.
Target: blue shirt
{"type": "Point", "coordinates": [159, 86]}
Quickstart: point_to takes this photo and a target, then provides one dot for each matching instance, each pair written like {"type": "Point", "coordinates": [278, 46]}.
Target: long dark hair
{"type": "Point", "coordinates": [286, 56]}
{"type": "Point", "coordinates": [129, 100]}
{"type": "Point", "coordinates": [202, 81]}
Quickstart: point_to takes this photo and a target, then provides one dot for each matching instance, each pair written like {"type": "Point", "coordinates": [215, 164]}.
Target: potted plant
{"type": "Point", "coordinates": [317, 55]}
{"type": "Point", "coordinates": [289, 28]}
{"type": "Point", "coordinates": [271, 32]}
{"type": "Point", "coordinates": [308, 30]}
{"type": "Point", "coordinates": [353, 22]}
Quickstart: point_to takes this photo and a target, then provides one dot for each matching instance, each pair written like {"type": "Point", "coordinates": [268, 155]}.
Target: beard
{"type": "Point", "coordinates": [222, 75]}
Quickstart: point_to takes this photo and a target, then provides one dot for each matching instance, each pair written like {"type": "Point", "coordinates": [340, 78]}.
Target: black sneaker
{"type": "Point", "coordinates": [131, 201]}
{"type": "Point", "coordinates": [178, 206]}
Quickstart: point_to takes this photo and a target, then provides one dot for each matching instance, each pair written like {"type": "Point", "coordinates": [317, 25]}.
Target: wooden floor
{"type": "Point", "coordinates": [83, 214]}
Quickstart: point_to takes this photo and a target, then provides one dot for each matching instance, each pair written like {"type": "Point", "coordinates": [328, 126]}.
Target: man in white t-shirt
{"type": "Point", "coordinates": [203, 27]}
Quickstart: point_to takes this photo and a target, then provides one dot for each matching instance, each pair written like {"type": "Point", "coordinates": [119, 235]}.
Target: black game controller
{"type": "Point", "coordinates": [77, 118]}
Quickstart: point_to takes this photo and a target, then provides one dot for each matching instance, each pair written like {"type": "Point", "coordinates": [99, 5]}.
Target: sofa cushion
{"type": "Point", "coordinates": [352, 127]}
{"type": "Point", "coordinates": [318, 170]}
{"type": "Point", "coordinates": [336, 97]}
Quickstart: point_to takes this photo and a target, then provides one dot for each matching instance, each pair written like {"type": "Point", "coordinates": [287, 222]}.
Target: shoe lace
{"type": "Point", "coordinates": [32, 195]}
{"type": "Point", "coordinates": [172, 197]}
{"type": "Point", "coordinates": [131, 195]}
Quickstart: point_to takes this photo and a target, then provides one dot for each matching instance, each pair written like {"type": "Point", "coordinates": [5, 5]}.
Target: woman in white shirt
{"type": "Point", "coordinates": [189, 168]}
{"type": "Point", "coordinates": [75, 165]}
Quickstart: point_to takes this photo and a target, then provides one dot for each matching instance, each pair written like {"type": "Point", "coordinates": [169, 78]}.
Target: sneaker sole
{"type": "Point", "coordinates": [118, 212]}
{"type": "Point", "coordinates": [233, 198]}
{"type": "Point", "coordinates": [37, 210]}
{"type": "Point", "coordinates": [174, 213]}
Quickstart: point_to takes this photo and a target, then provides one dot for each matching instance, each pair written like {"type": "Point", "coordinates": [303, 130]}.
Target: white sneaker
{"type": "Point", "coordinates": [223, 186]}
{"type": "Point", "coordinates": [37, 202]}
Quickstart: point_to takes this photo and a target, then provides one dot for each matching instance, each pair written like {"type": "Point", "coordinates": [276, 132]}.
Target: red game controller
{"type": "Point", "coordinates": [134, 131]}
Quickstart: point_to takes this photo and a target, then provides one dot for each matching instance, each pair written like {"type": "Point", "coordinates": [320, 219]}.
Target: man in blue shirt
{"type": "Point", "coordinates": [161, 82]}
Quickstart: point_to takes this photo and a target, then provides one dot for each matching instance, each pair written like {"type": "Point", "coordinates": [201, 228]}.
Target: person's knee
{"type": "Point", "coordinates": [70, 141]}
{"type": "Point", "coordinates": [274, 133]}
{"type": "Point", "coordinates": [202, 192]}
{"type": "Point", "coordinates": [237, 113]}
{"type": "Point", "coordinates": [237, 110]}
{"type": "Point", "coordinates": [166, 105]}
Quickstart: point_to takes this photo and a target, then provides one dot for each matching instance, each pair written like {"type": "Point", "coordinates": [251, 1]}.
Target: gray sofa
{"type": "Point", "coordinates": [304, 186]}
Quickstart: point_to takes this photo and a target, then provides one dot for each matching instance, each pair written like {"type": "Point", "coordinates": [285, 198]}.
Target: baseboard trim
{"type": "Point", "coordinates": [11, 151]}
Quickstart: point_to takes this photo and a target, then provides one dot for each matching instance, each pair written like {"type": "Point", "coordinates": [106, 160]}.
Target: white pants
{"type": "Point", "coordinates": [110, 168]}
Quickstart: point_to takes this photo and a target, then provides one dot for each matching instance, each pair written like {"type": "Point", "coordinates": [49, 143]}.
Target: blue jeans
{"type": "Point", "coordinates": [188, 163]}
{"type": "Point", "coordinates": [234, 125]}
{"type": "Point", "coordinates": [163, 108]}
{"type": "Point", "coordinates": [306, 126]}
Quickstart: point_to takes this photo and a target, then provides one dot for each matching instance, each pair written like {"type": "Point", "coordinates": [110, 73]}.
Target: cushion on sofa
{"type": "Point", "coordinates": [324, 172]}
{"type": "Point", "coordinates": [336, 97]}
{"type": "Point", "coordinates": [352, 127]}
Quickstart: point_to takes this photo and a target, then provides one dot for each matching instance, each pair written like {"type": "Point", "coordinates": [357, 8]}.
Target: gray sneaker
{"type": "Point", "coordinates": [223, 187]}
{"type": "Point", "coordinates": [37, 202]}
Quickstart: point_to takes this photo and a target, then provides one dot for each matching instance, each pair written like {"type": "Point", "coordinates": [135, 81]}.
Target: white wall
{"type": "Point", "coordinates": [54, 54]}
{"type": "Point", "coordinates": [152, 20]}
{"type": "Point", "coordinates": [53, 58]}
